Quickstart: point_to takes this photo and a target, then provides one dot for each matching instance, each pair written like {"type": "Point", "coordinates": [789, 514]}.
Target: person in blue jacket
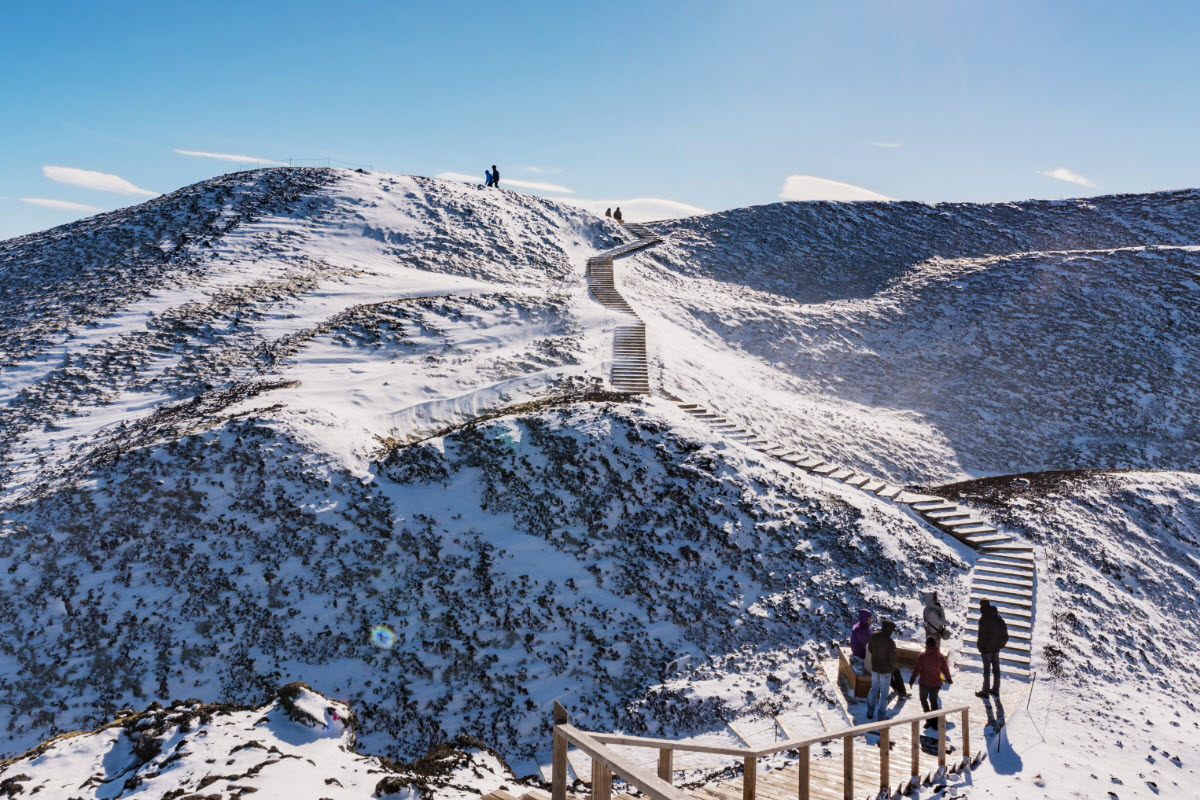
{"type": "Point", "coordinates": [487, 176]}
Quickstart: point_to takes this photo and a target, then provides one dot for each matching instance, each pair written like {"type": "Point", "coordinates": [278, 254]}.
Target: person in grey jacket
{"type": "Point", "coordinates": [935, 618]}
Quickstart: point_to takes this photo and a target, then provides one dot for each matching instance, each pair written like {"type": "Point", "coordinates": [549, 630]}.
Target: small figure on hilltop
{"type": "Point", "coordinates": [935, 617]}
{"type": "Point", "coordinates": [883, 663]}
{"type": "Point", "coordinates": [495, 176]}
{"type": "Point", "coordinates": [991, 639]}
{"type": "Point", "coordinates": [930, 669]}
{"type": "Point", "coordinates": [617, 215]}
{"type": "Point", "coordinates": [608, 212]}
{"type": "Point", "coordinates": [487, 176]}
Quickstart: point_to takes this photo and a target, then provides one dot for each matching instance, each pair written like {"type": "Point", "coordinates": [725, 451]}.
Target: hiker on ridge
{"type": "Point", "coordinates": [617, 214]}
{"type": "Point", "coordinates": [935, 617]}
{"type": "Point", "coordinates": [487, 176]}
{"type": "Point", "coordinates": [991, 638]}
{"type": "Point", "coordinates": [608, 212]}
{"type": "Point", "coordinates": [495, 176]}
{"type": "Point", "coordinates": [883, 664]}
{"type": "Point", "coordinates": [931, 666]}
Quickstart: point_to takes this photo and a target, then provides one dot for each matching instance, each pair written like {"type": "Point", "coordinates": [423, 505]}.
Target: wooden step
{"type": "Point", "coordinates": [1007, 562]}
{"type": "Point", "coordinates": [873, 485]}
{"type": "Point", "coordinates": [889, 491]}
{"type": "Point", "coordinates": [1018, 598]}
{"type": "Point", "coordinates": [1011, 615]}
{"type": "Point", "coordinates": [1014, 549]}
{"type": "Point", "coordinates": [989, 569]}
{"type": "Point", "coordinates": [1025, 623]}
{"type": "Point", "coordinates": [1004, 580]}
{"type": "Point", "coordinates": [980, 541]}
{"type": "Point", "coordinates": [1012, 658]}
{"type": "Point", "coordinates": [1024, 647]}
{"type": "Point", "coordinates": [934, 505]}
{"type": "Point", "coordinates": [1014, 593]}
{"type": "Point", "coordinates": [982, 527]}
{"type": "Point", "coordinates": [957, 522]}
{"type": "Point", "coordinates": [944, 514]}
{"type": "Point", "coordinates": [825, 469]}
{"type": "Point", "coordinates": [841, 473]}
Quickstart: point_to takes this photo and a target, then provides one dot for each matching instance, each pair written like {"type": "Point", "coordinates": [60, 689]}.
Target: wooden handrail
{"type": "Point", "coordinates": [778, 747]}
{"type": "Point", "coordinates": [655, 787]}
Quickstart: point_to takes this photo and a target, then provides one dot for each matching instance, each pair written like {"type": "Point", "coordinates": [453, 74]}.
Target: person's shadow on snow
{"type": "Point", "coordinates": [1005, 760]}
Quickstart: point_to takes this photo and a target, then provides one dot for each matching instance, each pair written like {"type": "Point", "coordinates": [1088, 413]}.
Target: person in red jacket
{"type": "Point", "coordinates": [931, 667]}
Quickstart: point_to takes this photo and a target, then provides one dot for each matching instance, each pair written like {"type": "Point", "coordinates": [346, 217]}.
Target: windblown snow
{"type": "Point", "coordinates": [354, 430]}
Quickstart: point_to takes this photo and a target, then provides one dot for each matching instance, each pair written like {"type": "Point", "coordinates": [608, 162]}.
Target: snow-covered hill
{"type": "Point", "coordinates": [353, 430]}
{"type": "Point", "coordinates": [928, 343]}
{"type": "Point", "coordinates": [299, 744]}
{"type": "Point", "coordinates": [210, 492]}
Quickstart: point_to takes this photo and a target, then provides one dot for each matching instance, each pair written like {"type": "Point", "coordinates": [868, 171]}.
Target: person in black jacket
{"type": "Point", "coordinates": [993, 635]}
{"type": "Point", "coordinates": [882, 650]}
{"type": "Point", "coordinates": [495, 176]}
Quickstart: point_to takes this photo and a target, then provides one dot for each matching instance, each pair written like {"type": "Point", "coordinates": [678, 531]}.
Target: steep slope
{"type": "Point", "coordinates": [435, 281]}
{"type": "Point", "coordinates": [609, 555]}
{"type": "Point", "coordinates": [1118, 642]}
{"type": "Point", "coordinates": [254, 471]}
{"type": "Point", "coordinates": [929, 360]}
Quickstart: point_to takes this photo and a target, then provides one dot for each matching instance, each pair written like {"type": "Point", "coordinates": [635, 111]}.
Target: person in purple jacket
{"type": "Point", "coordinates": [860, 633]}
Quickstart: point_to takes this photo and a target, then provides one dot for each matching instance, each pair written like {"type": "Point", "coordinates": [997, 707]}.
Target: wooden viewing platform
{"type": "Point", "coordinates": [858, 768]}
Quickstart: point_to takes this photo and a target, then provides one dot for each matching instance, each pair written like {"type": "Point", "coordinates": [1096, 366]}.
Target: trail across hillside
{"type": "Point", "coordinates": [1004, 573]}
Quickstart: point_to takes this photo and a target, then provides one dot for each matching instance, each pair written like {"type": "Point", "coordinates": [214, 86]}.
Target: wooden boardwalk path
{"type": "Point", "coordinates": [630, 366]}
{"type": "Point", "coordinates": [856, 762]}
{"type": "Point", "coordinates": [865, 761]}
{"type": "Point", "coordinates": [1004, 572]}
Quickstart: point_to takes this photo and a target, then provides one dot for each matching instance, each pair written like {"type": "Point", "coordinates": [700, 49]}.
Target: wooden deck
{"type": "Point", "coordinates": [855, 762]}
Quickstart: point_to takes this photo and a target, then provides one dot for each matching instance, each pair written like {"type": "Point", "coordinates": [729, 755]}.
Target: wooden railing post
{"type": "Point", "coordinates": [885, 750]}
{"type": "Point", "coordinates": [848, 767]}
{"type": "Point", "coordinates": [558, 769]}
{"type": "Point", "coordinates": [804, 772]}
{"type": "Point", "coordinates": [941, 740]}
{"type": "Point", "coordinates": [916, 749]}
{"type": "Point", "coordinates": [749, 777]}
{"type": "Point", "coordinates": [601, 781]}
{"type": "Point", "coordinates": [666, 766]}
{"type": "Point", "coordinates": [966, 737]}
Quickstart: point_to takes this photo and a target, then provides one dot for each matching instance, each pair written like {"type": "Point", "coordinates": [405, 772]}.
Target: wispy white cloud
{"type": "Point", "coordinates": [460, 176]}
{"type": "Point", "coordinates": [638, 209]}
{"type": "Point", "coordinates": [65, 205]}
{"type": "Point", "coordinates": [537, 186]}
{"type": "Point", "coordinates": [887, 145]}
{"type": "Point", "coordinates": [1064, 174]}
{"type": "Point", "coordinates": [809, 187]}
{"type": "Point", "coordinates": [235, 157]}
{"type": "Point", "coordinates": [91, 179]}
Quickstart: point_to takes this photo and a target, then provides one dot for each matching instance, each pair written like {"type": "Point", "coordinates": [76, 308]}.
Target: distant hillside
{"type": "Point", "coordinates": [938, 342]}
{"type": "Point", "coordinates": [355, 430]}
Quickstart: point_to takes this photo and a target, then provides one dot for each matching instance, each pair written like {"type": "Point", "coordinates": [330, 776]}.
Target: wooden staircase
{"type": "Point", "coordinates": [630, 366]}
{"type": "Point", "coordinates": [1004, 572]}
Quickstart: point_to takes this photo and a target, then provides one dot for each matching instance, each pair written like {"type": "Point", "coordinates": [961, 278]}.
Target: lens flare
{"type": "Point", "coordinates": [383, 637]}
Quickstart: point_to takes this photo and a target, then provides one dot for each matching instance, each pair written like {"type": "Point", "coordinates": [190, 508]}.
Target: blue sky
{"type": "Point", "coordinates": [708, 104]}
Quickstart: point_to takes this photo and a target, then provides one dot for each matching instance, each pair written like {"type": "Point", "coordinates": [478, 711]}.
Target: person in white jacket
{"type": "Point", "coordinates": [935, 618]}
